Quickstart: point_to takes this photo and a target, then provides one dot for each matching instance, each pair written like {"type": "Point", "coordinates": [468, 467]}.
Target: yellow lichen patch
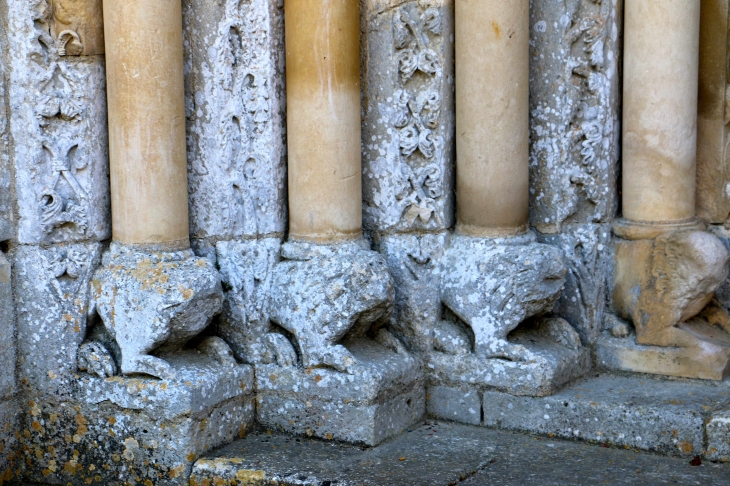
{"type": "Point", "coordinates": [328, 436]}
{"type": "Point", "coordinates": [112, 420]}
{"type": "Point", "coordinates": [190, 457]}
{"type": "Point", "coordinates": [250, 476]}
{"type": "Point", "coordinates": [177, 471]}
{"type": "Point", "coordinates": [686, 447]}
{"type": "Point", "coordinates": [36, 426]}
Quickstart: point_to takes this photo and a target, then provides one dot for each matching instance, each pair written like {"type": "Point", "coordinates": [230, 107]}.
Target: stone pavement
{"type": "Point", "coordinates": [442, 453]}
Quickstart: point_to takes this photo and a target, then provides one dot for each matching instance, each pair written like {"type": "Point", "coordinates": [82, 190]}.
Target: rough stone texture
{"type": "Point", "coordinates": [247, 269]}
{"type": "Point", "coordinates": [235, 109]}
{"type": "Point", "coordinates": [428, 454]}
{"type": "Point", "coordinates": [660, 285]}
{"type": "Point", "coordinates": [718, 437]}
{"type": "Point", "coordinates": [462, 405]}
{"type": "Point", "coordinates": [574, 98]}
{"type": "Point", "coordinates": [58, 126]}
{"type": "Point", "coordinates": [415, 261]}
{"type": "Point", "coordinates": [322, 293]}
{"type": "Point", "coordinates": [587, 254]}
{"type": "Point", "coordinates": [7, 201]}
{"type": "Point", "coordinates": [634, 412]}
{"type": "Point", "coordinates": [380, 396]}
{"type": "Point", "coordinates": [153, 302]}
{"type": "Point", "coordinates": [119, 431]}
{"type": "Point", "coordinates": [8, 404]}
{"type": "Point", "coordinates": [51, 291]}
{"type": "Point", "coordinates": [495, 284]}
{"type": "Point", "coordinates": [408, 124]}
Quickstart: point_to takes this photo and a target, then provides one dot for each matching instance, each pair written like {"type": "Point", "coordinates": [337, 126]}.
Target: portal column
{"type": "Point", "coordinates": [495, 274]}
{"type": "Point", "coordinates": [323, 119]}
{"type": "Point", "coordinates": [667, 267]}
{"type": "Point", "coordinates": [492, 119]}
{"type": "Point", "coordinates": [144, 62]}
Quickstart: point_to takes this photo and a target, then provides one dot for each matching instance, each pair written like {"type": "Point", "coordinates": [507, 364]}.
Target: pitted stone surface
{"type": "Point", "coordinates": [463, 405]}
{"type": "Point", "coordinates": [235, 109]}
{"type": "Point", "coordinates": [587, 251]}
{"type": "Point", "coordinates": [126, 431]}
{"type": "Point", "coordinates": [415, 261]}
{"type": "Point", "coordinates": [51, 291]}
{"type": "Point", "coordinates": [153, 302]}
{"type": "Point", "coordinates": [383, 393]}
{"type": "Point", "coordinates": [574, 112]}
{"type": "Point", "coordinates": [247, 270]}
{"type": "Point", "coordinates": [408, 125]}
{"type": "Point", "coordinates": [637, 412]}
{"type": "Point", "coordinates": [322, 293]}
{"type": "Point", "coordinates": [8, 352]}
{"type": "Point", "coordinates": [10, 463]}
{"type": "Point", "coordinates": [718, 436]}
{"type": "Point", "coordinates": [428, 454]}
{"type": "Point", "coordinates": [58, 126]}
{"type": "Point", "coordinates": [495, 284]}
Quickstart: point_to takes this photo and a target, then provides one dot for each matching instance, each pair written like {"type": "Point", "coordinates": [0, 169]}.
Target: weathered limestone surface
{"type": "Point", "coordinates": [408, 125]}
{"type": "Point", "coordinates": [127, 430]}
{"type": "Point", "coordinates": [713, 114]}
{"type": "Point", "coordinates": [51, 291]}
{"type": "Point", "coordinates": [235, 110]}
{"type": "Point", "coordinates": [587, 254]}
{"type": "Point", "coordinates": [574, 98]}
{"type": "Point", "coordinates": [7, 200]}
{"type": "Point", "coordinates": [637, 412]}
{"type": "Point", "coordinates": [58, 127]}
{"type": "Point", "coordinates": [8, 405]}
{"type": "Point", "coordinates": [718, 434]}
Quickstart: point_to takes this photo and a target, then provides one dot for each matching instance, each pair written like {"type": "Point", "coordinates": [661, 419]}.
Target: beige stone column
{"type": "Point", "coordinates": [492, 116]}
{"type": "Point", "coordinates": [144, 62]}
{"type": "Point", "coordinates": [661, 55]}
{"type": "Point", "coordinates": [323, 119]}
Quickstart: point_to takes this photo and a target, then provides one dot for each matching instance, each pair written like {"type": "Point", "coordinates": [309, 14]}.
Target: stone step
{"type": "Point", "coordinates": [444, 453]}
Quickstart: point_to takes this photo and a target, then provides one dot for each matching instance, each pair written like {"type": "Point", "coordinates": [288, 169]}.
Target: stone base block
{"type": "Point", "coordinates": [122, 430]}
{"type": "Point", "coordinates": [652, 414]}
{"type": "Point", "coordinates": [462, 405]}
{"type": "Point", "coordinates": [381, 397]}
{"type": "Point", "coordinates": [711, 362]}
{"type": "Point", "coordinates": [718, 437]}
{"type": "Point", "coordinates": [9, 448]}
{"type": "Point", "coordinates": [552, 366]}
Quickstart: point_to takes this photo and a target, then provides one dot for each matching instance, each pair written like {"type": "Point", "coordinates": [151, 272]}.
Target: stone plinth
{"type": "Point", "coordinates": [673, 417]}
{"type": "Point", "coordinates": [137, 430]}
{"type": "Point", "coordinates": [709, 360]}
{"type": "Point", "coordinates": [381, 396]}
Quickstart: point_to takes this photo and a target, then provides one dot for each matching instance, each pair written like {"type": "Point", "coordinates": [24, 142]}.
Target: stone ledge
{"type": "Point", "coordinates": [646, 413]}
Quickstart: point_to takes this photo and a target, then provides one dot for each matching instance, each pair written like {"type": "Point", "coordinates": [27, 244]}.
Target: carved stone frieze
{"type": "Point", "coordinates": [51, 295]}
{"type": "Point", "coordinates": [713, 117]}
{"type": "Point", "coordinates": [77, 27]}
{"type": "Point", "coordinates": [408, 140]}
{"type": "Point", "coordinates": [58, 125]}
{"type": "Point", "coordinates": [235, 103]}
{"type": "Point", "coordinates": [574, 107]}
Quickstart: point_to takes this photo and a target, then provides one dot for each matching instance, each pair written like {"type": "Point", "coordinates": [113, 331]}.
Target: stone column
{"type": "Point", "coordinates": [660, 110]}
{"type": "Point", "coordinates": [495, 274]}
{"type": "Point", "coordinates": [323, 119]}
{"type": "Point", "coordinates": [492, 120]}
{"type": "Point", "coordinates": [330, 292]}
{"type": "Point", "coordinates": [145, 93]}
{"type": "Point", "coordinates": [666, 267]}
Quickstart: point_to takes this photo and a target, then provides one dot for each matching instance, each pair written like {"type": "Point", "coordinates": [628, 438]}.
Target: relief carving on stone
{"type": "Point", "coordinates": [235, 125]}
{"type": "Point", "coordinates": [407, 180]}
{"type": "Point", "coordinates": [575, 125]}
{"type": "Point", "coordinates": [60, 133]}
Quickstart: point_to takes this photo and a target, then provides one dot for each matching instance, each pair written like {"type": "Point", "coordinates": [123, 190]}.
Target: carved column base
{"type": "Point", "coordinates": [664, 283]}
{"type": "Point", "coordinates": [349, 378]}
{"type": "Point", "coordinates": [152, 302]}
{"type": "Point", "coordinates": [141, 430]}
{"type": "Point", "coordinates": [489, 288]}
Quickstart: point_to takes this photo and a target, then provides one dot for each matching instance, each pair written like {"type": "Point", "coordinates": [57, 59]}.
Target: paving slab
{"type": "Point", "coordinates": [651, 414]}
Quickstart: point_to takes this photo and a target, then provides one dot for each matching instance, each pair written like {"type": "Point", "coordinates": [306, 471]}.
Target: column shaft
{"type": "Point", "coordinates": [323, 119]}
{"type": "Point", "coordinates": [492, 116]}
{"type": "Point", "coordinates": [660, 109]}
{"type": "Point", "coordinates": [144, 62]}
